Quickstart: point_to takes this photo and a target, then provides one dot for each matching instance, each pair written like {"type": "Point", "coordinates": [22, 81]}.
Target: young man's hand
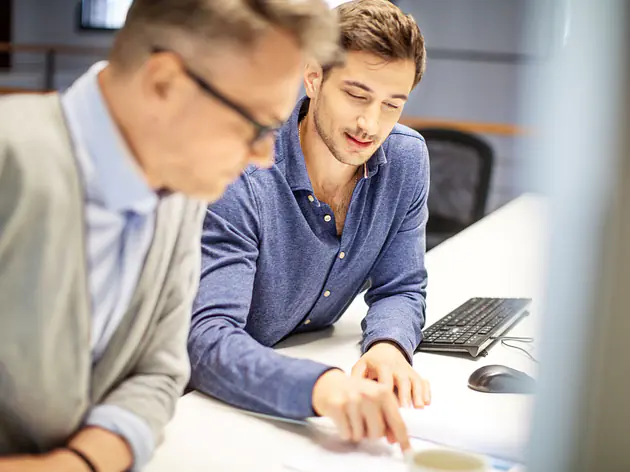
{"type": "Point", "coordinates": [385, 363]}
{"type": "Point", "coordinates": [360, 408]}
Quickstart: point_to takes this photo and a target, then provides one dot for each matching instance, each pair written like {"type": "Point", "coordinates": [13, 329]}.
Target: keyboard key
{"type": "Point", "coordinates": [476, 339]}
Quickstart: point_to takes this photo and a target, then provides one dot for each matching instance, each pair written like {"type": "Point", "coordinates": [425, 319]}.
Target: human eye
{"type": "Point", "coordinates": [356, 96]}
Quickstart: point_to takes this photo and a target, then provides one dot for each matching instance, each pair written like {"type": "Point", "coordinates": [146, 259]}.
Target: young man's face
{"type": "Point", "coordinates": [357, 105]}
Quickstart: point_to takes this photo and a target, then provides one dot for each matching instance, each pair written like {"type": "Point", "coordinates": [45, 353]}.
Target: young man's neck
{"type": "Point", "coordinates": [325, 171]}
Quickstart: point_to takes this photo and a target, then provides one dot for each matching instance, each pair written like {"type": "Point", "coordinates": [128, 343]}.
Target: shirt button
{"type": "Point", "coordinates": [327, 293]}
{"type": "Point", "coordinates": [342, 255]}
{"type": "Point", "coordinates": [307, 322]}
{"type": "Point", "coordinates": [311, 198]}
{"type": "Point", "coordinates": [327, 218]}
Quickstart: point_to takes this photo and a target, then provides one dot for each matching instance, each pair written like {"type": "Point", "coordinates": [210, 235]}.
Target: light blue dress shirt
{"type": "Point", "coordinates": [120, 216]}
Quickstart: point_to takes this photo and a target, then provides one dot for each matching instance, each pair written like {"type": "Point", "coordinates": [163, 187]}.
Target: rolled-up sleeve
{"type": "Point", "coordinates": [140, 406]}
{"type": "Point", "coordinates": [127, 425]}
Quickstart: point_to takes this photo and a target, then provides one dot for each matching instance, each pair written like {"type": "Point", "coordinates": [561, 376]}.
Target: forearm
{"type": "Point", "coordinates": [397, 319]}
{"type": "Point", "coordinates": [398, 293]}
{"type": "Point", "coordinates": [233, 367]}
{"type": "Point", "coordinates": [60, 460]}
{"type": "Point", "coordinates": [397, 297]}
{"type": "Point", "coordinates": [130, 427]}
{"type": "Point", "coordinates": [107, 451]}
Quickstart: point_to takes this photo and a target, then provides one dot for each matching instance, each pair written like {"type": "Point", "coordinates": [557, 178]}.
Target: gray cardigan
{"type": "Point", "coordinates": [47, 380]}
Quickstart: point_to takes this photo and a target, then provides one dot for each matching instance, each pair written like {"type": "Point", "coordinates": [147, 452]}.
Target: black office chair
{"type": "Point", "coordinates": [461, 168]}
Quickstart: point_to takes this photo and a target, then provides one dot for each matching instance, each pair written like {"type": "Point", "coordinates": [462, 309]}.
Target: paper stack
{"type": "Point", "coordinates": [493, 425]}
{"type": "Point", "coordinates": [369, 456]}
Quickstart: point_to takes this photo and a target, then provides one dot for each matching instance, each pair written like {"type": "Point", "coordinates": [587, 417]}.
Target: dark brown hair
{"type": "Point", "coordinates": [381, 28]}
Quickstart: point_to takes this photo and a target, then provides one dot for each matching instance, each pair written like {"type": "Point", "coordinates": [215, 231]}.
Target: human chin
{"type": "Point", "coordinates": [210, 193]}
{"type": "Point", "coordinates": [352, 158]}
{"type": "Point", "coordinates": [204, 187]}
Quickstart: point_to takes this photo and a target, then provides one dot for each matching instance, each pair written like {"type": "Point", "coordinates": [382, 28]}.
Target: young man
{"type": "Point", "coordinates": [288, 248]}
{"type": "Point", "coordinates": [99, 232]}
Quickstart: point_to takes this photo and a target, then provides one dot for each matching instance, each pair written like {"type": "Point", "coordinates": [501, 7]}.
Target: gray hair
{"type": "Point", "coordinates": [152, 23]}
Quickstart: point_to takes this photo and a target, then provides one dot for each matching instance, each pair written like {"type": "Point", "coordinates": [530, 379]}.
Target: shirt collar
{"type": "Point", "coordinates": [296, 172]}
{"type": "Point", "coordinates": [116, 179]}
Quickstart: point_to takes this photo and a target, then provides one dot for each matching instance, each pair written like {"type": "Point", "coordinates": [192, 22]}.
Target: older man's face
{"type": "Point", "coordinates": [200, 144]}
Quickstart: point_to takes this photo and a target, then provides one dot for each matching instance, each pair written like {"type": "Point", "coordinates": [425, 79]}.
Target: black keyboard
{"type": "Point", "coordinates": [474, 326]}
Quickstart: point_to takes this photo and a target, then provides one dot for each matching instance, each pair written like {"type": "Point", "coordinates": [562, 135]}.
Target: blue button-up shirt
{"type": "Point", "coordinates": [120, 222]}
{"type": "Point", "coordinates": [273, 265]}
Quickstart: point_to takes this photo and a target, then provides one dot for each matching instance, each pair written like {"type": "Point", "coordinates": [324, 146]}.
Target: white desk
{"type": "Point", "coordinates": [501, 255]}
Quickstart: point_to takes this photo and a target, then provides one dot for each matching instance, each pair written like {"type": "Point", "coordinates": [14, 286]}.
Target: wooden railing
{"type": "Point", "coordinates": [475, 127]}
{"type": "Point", "coordinates": [9, 90]}
{"type": "Point", "coordinates": [51, 53]}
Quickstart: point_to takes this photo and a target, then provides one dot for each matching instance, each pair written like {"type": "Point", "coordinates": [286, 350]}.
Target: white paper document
{"type": "Point", "coordinates": [493, 425]}
{"type": "Point", "coordinates": [369, 456]}
{"type": "Point", "coordinates": [496, 426]}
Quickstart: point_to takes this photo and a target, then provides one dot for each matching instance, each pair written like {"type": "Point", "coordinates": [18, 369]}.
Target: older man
{"type": "Point", "coordinates": [100, 219]}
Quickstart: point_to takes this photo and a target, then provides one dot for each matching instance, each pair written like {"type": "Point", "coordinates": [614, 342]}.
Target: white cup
{"type": "Point", "coordinates": [445, 460]}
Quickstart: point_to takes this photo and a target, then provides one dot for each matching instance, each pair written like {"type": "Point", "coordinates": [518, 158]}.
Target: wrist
{"type": "Point", "coordinates": [321, 386]}
{"type": "Point", "coordinates": [389, 345]}
{"type": "Point", "coordinates": [66, 460]}
{"type": "Point", "coordinates": [104, 449]}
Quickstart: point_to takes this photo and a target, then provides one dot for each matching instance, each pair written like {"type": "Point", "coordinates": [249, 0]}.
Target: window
{"type": "Point", "coordinates": [104, 14]}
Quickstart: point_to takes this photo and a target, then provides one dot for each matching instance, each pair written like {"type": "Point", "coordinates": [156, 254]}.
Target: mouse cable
{"type": "Point", "coordinates": [505, 341]}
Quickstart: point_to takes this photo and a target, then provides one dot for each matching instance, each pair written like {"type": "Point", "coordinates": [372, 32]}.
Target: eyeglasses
{"type": "Point", "coordinates": [261, 132]}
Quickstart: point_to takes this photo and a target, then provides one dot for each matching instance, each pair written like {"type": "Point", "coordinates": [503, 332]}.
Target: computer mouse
{"type": "Point", "coordinates": [501, 379]}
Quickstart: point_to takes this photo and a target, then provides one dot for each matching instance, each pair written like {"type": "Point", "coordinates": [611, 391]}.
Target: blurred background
{"type": "Point", "coordinates": [477, 54]}
{"type": "Point", "coordinates": [519, 96]}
